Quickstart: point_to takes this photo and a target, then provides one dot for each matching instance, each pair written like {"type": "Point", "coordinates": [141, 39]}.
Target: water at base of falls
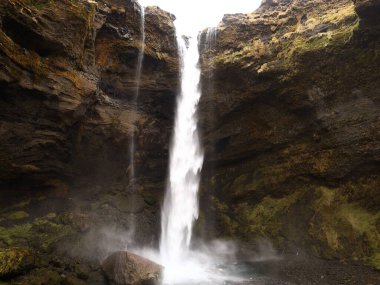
{"type": "Point", "coordinates": [215, 263]}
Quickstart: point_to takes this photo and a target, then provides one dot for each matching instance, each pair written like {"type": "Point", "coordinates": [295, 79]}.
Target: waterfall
{"type": "Point", "coordinates": [205, 262]}
{"type": "Point", "coordinates": [139, 67]}
{"type": "Point", "coordinates": [180, 207]}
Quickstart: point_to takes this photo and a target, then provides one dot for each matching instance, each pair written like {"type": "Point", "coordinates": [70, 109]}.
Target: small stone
{"type": "Point", "coordinates": [70, 280]}
{"type": "Point", "coordinates": [82, 271]}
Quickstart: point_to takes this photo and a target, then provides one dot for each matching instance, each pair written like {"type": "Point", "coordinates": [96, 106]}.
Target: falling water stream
{"type": "Point", "coordinates": [139, 67]}
{"type": "Point", "coordinates": [184, 264]}
{"type": "Point", "coordinates": [180, 207]}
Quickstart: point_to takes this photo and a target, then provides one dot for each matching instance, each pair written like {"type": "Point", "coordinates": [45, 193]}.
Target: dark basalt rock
{"type": "Point", "coordinates": [66, 93]}
{"type": "Point", "coordinates": [67, 97]}
{"type": "Point", "coordinates": [289, 116]}
{"type": "Point", "coordinates": [67, 83]}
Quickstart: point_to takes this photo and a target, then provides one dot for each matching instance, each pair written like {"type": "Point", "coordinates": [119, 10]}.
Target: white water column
{"type": "Point", "coordinates": [180, 207]}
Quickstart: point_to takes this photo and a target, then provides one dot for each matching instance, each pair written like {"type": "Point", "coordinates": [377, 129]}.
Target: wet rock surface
{"type": "Point", "coordinates": [68, 113]}
{"type": "Point", "coordinates": [67, 88]}
{"type": "Point", "coordinates": [124, 268]}
{"type": "Point", "coordinates": [303, 270]}
{"type": "Point", "coordinates": [289, 115]}
{"type": "Point", "coordinates": [290, 125]}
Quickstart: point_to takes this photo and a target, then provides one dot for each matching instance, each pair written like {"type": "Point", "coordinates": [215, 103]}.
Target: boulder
{"type": "Point", "coordinates": [125, 268]}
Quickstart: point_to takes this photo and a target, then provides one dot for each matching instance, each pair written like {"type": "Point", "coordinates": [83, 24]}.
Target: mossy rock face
{"type": "Point", "coordinates": [344, 227]}
{"type": "Point", "coordinates": [290, 127]}
{"type": "Point", "coordinates": [71, 280]}
{"type": "Point", "coordinates": [18, 215]}
{"type": "Point", "coordinates": [42, 233]}
{"type": "Point", "coordinates": [266, 218]}
{"type": "Point", "coordinates": [57, 57]}
{"type": "Point", "coordinates": [52, 275]}
{"type": "Point", "coordinates": [14, 261]}
{"type": "Point", "coordinates": [40, 277]}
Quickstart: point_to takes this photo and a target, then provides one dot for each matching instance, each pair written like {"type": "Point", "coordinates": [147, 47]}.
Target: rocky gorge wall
{"type": "Point", "coordinates": [290, 122]}
{"type": "Point", "coordinates": [67, 87]}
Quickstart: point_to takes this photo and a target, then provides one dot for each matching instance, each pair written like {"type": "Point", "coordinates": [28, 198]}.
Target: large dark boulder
{"type": "Point", "coordinates": [125, 268]}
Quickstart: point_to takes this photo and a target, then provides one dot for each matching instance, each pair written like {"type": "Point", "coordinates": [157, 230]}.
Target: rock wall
{"type": "Point", "coordinates": [290, 122]}
{"type": "Point", "coordinates": [67, 87]}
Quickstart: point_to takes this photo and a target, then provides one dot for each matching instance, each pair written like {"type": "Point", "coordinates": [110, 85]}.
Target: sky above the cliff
{"type": "Point", "coordinates": [196, 15]}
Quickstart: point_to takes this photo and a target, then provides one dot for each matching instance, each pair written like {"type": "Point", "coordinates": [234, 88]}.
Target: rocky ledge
{"type": "Point", "coordinates": [290, 125]}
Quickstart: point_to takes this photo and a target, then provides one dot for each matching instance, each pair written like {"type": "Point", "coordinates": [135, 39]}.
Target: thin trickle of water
{"type": "Point", "coordinates": [180, 207]}
{"type": "Point", "coordinates": [211, 36]}
{"type": "Point", "coordinates": [139, 68]}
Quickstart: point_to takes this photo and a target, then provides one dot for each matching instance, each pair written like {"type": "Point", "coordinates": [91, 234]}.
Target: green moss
{"type": "Point", "coordinates": [42, 276]}
{"type": "Point", "coordinates": [267, 217]}
{"type": "Point", "coordinates": [327, 197]}
{"type": "Point", "coordinates": [344, 227]}
{"type": "Point", "coordinates": [14, 261]}
{"type": "Point", "coordinates": [71, 280]}
{"type": "Point", "coordinates": [339, 15]}
{"type": "Point", "coordinates": [39, 4]}
{"type": "Point", "coordinates": [19, 205]}
{"type": "Point", "coordinates": [51, 216]}
{"type": "Point", "coordinates": [334, 38]}
{"type": "Point", "coordinates": [254, 49]}
{"type": "Point", "coordinates": [230, 226]}
{"type": "Point", "coordinates": [15, 234]}
{"type": "Point", "coordinates": [362, 223]}
{"type": "Point", "coordinates": [245, 183]}
{"type": "Point", "coordinates": [46, 233]}
{"type": "Point", "coordinates": [18, 215]}
{"type": "Point", "coordinates": [42, 233]}
{"type": "Point", "coordinates": [218, 205]}
{"type": "Point", "coordinates": [229, 57]}
{"type": "Point", "coordinates": [227, 224]}
{"type": "Point", "coordinates": [375, 260]}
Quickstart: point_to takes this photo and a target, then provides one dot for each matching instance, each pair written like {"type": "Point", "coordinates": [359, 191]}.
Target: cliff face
{"type": "Point", "coordinates": [68, 82]}
{"type": "Point", "coordinates": [68, 115]}
{"type": "Point", "coordinates": [290, 122]}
